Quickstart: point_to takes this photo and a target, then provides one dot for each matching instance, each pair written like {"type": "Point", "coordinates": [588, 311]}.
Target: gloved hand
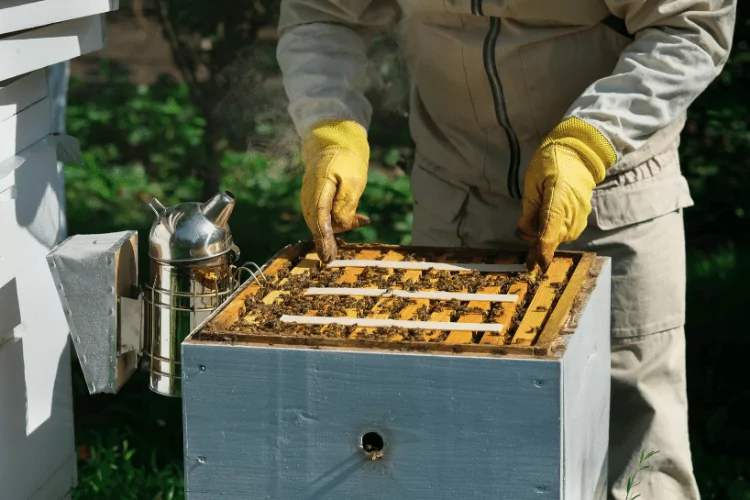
{"type": "Point", "coordinates": [558, 187]}
{"type": "Point", "coordinates": [336, 156]}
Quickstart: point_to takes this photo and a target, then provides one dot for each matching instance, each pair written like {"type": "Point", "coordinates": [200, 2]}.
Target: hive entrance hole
{"type": "Point", "coordinates": [372, 443]}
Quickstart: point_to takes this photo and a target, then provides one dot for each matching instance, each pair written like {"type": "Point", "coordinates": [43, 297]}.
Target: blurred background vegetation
{"type": "Point", "coordinates": [187, 99]}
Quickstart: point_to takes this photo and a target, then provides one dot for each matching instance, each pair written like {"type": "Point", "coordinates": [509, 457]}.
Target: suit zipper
{"type": "Point", "coordinates": [498, 98]}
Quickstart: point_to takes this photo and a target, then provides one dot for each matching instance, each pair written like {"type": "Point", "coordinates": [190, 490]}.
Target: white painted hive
{"type": "Point", "coordinates": [37, 445]}
{"type": "Point", "coordinates": [467, 381]}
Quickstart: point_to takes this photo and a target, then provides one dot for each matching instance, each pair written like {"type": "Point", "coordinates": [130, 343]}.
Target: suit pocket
{"type": "Point", "coordinates": [651, 190]}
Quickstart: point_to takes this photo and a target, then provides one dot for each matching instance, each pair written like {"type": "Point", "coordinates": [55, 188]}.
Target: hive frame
{"type": "Point", "coordinates": [549, 342]}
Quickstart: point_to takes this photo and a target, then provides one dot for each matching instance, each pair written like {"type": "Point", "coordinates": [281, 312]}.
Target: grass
{"type": "Point", "coordinates": [129, 445]}
{"type": "Point", "coordinates": [111, 469]}
{"type": "Point", "coordinates": [631, 480]}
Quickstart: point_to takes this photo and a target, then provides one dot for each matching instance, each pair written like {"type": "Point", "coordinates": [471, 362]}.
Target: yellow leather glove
{"type": "Point", "coordinates": [558, 187]}
{"type": "Point", "coordinates": [336, 155]}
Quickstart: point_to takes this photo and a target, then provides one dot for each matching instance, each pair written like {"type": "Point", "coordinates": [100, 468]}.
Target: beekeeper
{"type": "Point", "coordinates": [539, 121]}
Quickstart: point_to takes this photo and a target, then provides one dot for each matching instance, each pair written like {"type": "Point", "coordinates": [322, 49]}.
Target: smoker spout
{"type": "Point", "coordinates": [219, 208]}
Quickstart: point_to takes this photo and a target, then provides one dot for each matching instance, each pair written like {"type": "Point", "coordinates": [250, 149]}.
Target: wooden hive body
{"type": "Point", "coordinates": [278, 410]}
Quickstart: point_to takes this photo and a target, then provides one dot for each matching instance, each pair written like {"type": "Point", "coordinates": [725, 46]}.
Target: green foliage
{"type": "Point", "coordinates": [716, 347]}
{"type": "Point", "coordinates": [155, 127]}
{"type": "Point", "coordinates": [139, 143]}
{"type": "Point", "coordinates": [110, 473]}
{"type": "Point", "coordinates": [130, 445]}
{"type": "Point", "coordinates": [715, 151]}
{"type": "Point", "coordinates": [631, 479]}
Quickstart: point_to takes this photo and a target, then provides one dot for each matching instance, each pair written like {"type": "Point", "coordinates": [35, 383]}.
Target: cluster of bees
{"type": "Point", "coordinates": [294, 302]}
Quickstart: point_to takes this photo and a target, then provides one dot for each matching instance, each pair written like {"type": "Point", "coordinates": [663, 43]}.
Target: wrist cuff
{"type": "Point", "coordinates": [593, 147]}
{"type": "Point", "coordinates": [338, 134]}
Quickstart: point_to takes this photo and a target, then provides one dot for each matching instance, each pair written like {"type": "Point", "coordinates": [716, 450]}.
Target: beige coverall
{"type": "Point", "coordinates": [490, 78]}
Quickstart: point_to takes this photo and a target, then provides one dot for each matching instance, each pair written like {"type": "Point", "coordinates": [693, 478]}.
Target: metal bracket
{"type": "Point", "coordinates": [131, 325]}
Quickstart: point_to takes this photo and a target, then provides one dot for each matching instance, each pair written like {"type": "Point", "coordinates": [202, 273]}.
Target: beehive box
{"type": "Point", "coordinates": [355, 380]}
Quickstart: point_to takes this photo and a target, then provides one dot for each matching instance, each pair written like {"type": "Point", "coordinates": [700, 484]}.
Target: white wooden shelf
{"type": "Point", "coordinates": [37, 445]}
{"type": "Point", "coordinates": [21, 92]}
{"type": "Point", "coordinates": [41, 47]}
{"type": "Point", "coordinates": [21, 15]}
{"type": "Point", "coordinates": [24, 129]}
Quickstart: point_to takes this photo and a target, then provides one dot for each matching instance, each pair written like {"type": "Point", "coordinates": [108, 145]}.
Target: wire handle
{"type": "Point", "coordinates": [256, 267]}
{"type": "Point", "coordinates": [253, 275]}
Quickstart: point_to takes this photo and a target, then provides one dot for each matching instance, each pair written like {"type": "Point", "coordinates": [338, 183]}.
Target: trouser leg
{"type": "Point", "coordinates": [649, 408]}
{"type": "Point", "coordinates": [649, 412]}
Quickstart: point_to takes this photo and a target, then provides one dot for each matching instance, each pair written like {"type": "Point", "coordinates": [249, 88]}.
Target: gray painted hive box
{"type": "Point", "coordinates": [309, 385]}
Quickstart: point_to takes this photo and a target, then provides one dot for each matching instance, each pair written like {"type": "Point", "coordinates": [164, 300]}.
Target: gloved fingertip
{"type": "Point", "coordinates": [326, 248]}
{"type": "Point", "coordinates": [532, 258]}
{"type": "Point", "coordinates": [356, 222]}
{"type": "Point", "coordinates": [546, 253]}
{"type": "Point", "coordinates": [362, 220]}
{"type": "Point", "coordinates": [325, 256]}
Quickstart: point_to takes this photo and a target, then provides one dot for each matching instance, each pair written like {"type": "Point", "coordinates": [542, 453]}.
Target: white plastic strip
{"type": "Point", "coordinates": [438, 266]}
{"type": "Point", "coordinates": [380, 292]}
{"type": "Point", "coordinates": [399, 323]}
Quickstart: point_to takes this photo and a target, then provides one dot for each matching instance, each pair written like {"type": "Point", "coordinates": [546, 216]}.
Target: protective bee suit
{"type": "Point", "coordinates": [540, 121]}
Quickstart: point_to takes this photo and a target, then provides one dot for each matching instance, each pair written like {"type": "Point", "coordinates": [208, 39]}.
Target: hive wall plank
{"type": "Point", "coordinates": [18, 15]}
{"type": "Point", "coordinates": [41, 47]}
{"type": "Point", "coordinates": [586, 396]}
{"type": "Point", "coordinates": [37, 445]}
{"type": "Point", "coordinates": [59, 485]}
{"type": "Point", "coordinates": [272, 422]}
{"type": "Point", "coordinates": [21, 92]}
{"type": "Point", "coordinates": [24, 129]}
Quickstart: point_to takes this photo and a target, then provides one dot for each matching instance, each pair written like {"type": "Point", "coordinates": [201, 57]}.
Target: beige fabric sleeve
{"type": "Point", "coordinates": [680, 47]}
{"type": "Point", "coordinates": [322, 52]}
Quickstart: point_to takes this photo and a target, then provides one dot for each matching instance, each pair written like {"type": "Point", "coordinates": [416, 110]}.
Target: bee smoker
{"type": "Point", "coordinates": [118, 326]}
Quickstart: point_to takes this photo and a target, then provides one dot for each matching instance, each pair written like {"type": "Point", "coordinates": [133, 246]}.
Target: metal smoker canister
{"type": "Point", "coordinates": [191, 253]}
